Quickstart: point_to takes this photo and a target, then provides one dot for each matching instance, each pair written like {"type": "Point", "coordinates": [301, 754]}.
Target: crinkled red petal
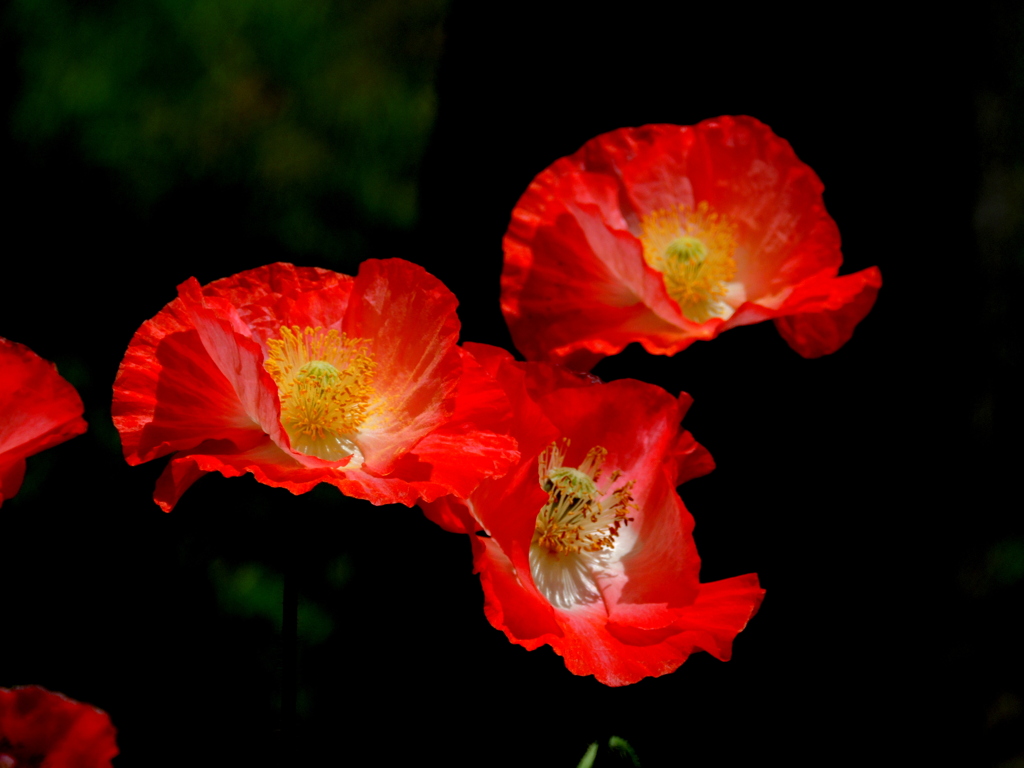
{"type": "Point", "coordinates": [275, 295]}
{"type": "Point", "coordinates": [830, 310]}
{"type": "Point", "coordinates": [474, 442]}
{"type": "Point", "coordinates": [590, 647]}
{"type": "Point", "coordinates": [193, 382]}
{"type": "Point", "coordinates": [523, 384]}
{"type": "Point", "coordinates": [650, 640]}
{"type": "Point", "coordinates": [513, 380]}
{"type": "Point", "coordinates": [575, 286]}
{"type": "Point", "coordinates": [272, 466]}
{"type": "Point", "coordinates": [721, 610]}
{"type": "Point", "coordinates": [525, 617]}
{"type": "Point", "coordinates": [692, 459]}
{"type": "Point", "coordinates": [38, 409]}
{"type": "Point", "coordinates": [658, 613]}
{"type": "Point", "coordinates": [12, 473]}
{"type": "Point", "coordinates": [576, 283]}
{"type": "Point", "coordinates": [169, 394]}
{"type": "Point", "coordinates": [237, 355]}
{"type": "Point", "coordinates": [664, 567]}
{"type": "Point", "coordinates": [499, 505]}
{"type": "Point", "coordinates": [748, 174]}
{"type": "Point", "coordinates": [410, 317]}
{"type": "Point", "coordinates": [451, 513]}
{"type": "Point", "coordinates": [38, 727]}
{"type": "Point", "coordinates": [621, 653]}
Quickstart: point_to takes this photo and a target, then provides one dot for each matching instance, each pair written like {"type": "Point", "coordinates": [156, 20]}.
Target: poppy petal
{"type": "Point", "coordinates": [593, 259]}
{"type": "Point", "coordinates": [841, 303]}
{"type": "Point", "coordinates": [618, 601]}
{"type": "Point", "coordinates": [38, 727]}
{"type": "Point", "coordinates": [38, 409]}
{"type": "Point", "coordinates": [197, 382]}
{"type": "Point", "coordinates": [411, 318]}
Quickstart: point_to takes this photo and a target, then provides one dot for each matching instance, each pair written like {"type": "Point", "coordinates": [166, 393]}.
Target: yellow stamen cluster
{"type": "Point", "coordinates": [693, 249]}
{"type": "Point", "coordinates": [324, 380]}
{"type": "Point", "coordinates": [580, 516]}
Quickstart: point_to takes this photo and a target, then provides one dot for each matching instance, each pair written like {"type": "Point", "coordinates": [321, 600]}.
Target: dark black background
{"type": "Point", "coordinates": [872, 491]}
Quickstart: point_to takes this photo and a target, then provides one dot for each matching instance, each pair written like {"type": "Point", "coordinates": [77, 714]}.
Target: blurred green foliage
{"type": "Point", "coordinates": [999, 565]}
{"type": "Point", "coordinates": [1005, 562]}
{"type": "Point", "coordinates": [251, 590]}
{"type": "Point", "coordinates": [319, 110]}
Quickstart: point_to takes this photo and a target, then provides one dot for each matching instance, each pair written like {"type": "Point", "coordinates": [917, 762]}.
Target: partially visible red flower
{"type": "Point", "coordinates": [38, 409]}
{"type": "Point", "coordinates": [39, 729]}
{"type": "Point", "coordinates": [667, 234]}
{"type": "Point", "coordinates": [588, 546]}
{"type": "Point", "coordinates": [303, 376]}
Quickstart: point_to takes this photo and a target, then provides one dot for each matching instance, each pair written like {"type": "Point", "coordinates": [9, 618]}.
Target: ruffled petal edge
{"type": "Point", "coordinates": [822, 313]}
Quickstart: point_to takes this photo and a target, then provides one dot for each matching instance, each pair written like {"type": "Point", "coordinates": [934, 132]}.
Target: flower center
{"type": "Point", "coordinates": [579, 517]}
{"type": "Point", "coordinates": [577, 527]}
{"type": "Point", "coordinates": [324, 380]}
{"type": "Point", "coordinates": [693, 249]}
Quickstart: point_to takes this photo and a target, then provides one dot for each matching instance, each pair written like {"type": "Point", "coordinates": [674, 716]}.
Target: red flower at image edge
{"type": "Point", "coordinates": [666, 234]}
{"type": "Point", "coordinates": [302, 376]}
{"type": "Point", "coordinates": [39, 729]}
{"type": "Point", "coordinates": [38, 409]}
{"type": "Point", "coordinates": [589, 548]}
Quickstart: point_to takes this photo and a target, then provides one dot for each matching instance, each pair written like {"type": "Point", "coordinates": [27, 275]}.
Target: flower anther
{"type": "Point", "coordinates": [693, 250]}
{"type": "Point", "coordinates": [325, 382]}
{"type": "Point", "coordinates": [576, 529]}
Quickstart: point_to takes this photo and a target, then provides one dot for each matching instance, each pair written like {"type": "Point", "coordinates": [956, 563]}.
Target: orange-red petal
{"type": "Point", "coordinates": [38, 727]}
{"type": "Point", "coordinates": [575, 286]}
{"type": "Point", "coordinates": [193, 383]}
{"type": "Point", "coordinates": [654, 611]}
{"type": "Point", "coordinates": [409, 316]}
{"type": "Point", "coordinates": [38, 409]}
{"type": "Point", "coordinates": [830, 309]}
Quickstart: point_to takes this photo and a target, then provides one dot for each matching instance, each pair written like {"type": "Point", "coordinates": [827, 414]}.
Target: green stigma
{"type": "Point", "coordinates": [687, 250]}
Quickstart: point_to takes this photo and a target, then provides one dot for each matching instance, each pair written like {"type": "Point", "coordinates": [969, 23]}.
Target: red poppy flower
{"type": "Point", "coordinates": [667, 234]}
{"type": "Point", "coordinates": [302, 376]}
{"type": "Point", "coordinates": [589, 548]}
{"type": "Point", "coordinates": [38, 409]}
{"type": "Point", "coordinates": [47, 730]}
